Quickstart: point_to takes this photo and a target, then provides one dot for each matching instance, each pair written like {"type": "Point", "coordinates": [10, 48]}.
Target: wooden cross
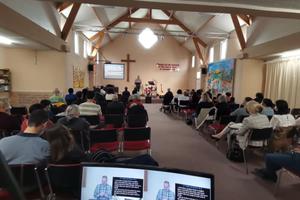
{"type": "Point", "coordinates": [128, 61]}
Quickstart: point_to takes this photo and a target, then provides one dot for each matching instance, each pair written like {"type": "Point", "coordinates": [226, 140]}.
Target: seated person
{"type": "Point", "coordinates": [282, 116]}
{"type": "Point", "coordinates": [114, 108]}
{"type": "Point", "coordinates": [195, 98]}
{"type": "Point", "coordinates": [64, 149]}
{"type": "Point", "coordinates": [241, 111]}
{"type": "Point", "coordinates": [135, 99]}
{"type": "Point", "coordinates": [205, 102]}
{"type": "Point", "coordinates": [56, 97]}
{"type": "Point", "coordinates": [76, 124]}
{"type": "Point", "coordinates": [78, 100]}
{"type": "Point", "coordinates": [277, 161]}
{"type": "Point", "coordinates": [33, 108]}
{"type": "Point", "coordinates": [259, 97]}
{"type": "Point", "coordinates": [228, 97]}
{"type": "Point", "coordinates": [110, 93]}
{"type": "Point", "coordinates": [268, 107]}
{"type": "Point", "coordinates": [71, 97]}
{"type": "Point", "coordinates": [47, 107]}
{"type": "Point", "coordinates": [168, 97]}
{"type": "Point", "coordinates": [8, 123]}
{"type": "Point", "coordinates": [125, 96]}
{"type": "Point", "coordinates": [27, 147]}
{"type": "Point", "coordinates": [137, 116]}
{"type": "Point", "coordinates": [184, 97]}
{"type": "Point", "coordinates": [89, 107]}
{"type": "Point", "coordinates": [255, 121]}
{"type": "Point", "coordinates": [222, 107]}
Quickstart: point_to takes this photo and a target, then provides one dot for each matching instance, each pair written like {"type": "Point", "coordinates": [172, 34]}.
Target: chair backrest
{"type": "Point", "coordinates": [233, 107]}
{"type": "Point", "coordinates": [92, 119]}
{"type": "Point", "coordinates": [296, 112]}
{"type": "Point", "coordinates": [270, 117]}
{"type": "Point", "coordinates": [8, 181]}
{"type": "Point", "coordinates": [261, 134]}
{"type": "Point", "coordinates": [116, 119]}
{"type": "Point", "coordinates": [241, 118]}
{"type": "Point", "coordinates": [81, 139]}
{"type": "Point", "coordinates": [184, 103]}
{"type": "Point", "coordinates": [103, 135]}
{"type": "Point", "coordinates": [137, 134]}
{"type": "Point", "coordinates": [19, 111]}
{"type": "Point", "coordinates": [64, 177]}
{"type": "Point", "coordinates": [226, 119]}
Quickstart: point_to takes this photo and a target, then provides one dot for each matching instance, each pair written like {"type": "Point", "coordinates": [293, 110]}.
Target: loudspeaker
{"type": "Point", "coordinates": [90, 67]}
{"type": "Point", "coordinates": [203, 71]}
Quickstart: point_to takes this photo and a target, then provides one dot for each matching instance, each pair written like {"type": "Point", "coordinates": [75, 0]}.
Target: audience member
{"type": "Point", "coordinates": [222, 107]}
{"type": "Point", "coordinates": [205, 102]}
{"type": "Point", "coordinates": [184, 97]}
{"type": "Point", "coordinates": [259, 97]}
{"type": "Point", "coordinates": [78, 100]}
{"type": "Point", "coordinates": [137, 116]}
{"type": "Point", "coordinates": [255, 120]}
{"type": "Point", "coordinates": [115, 107]}
{"type": "Point", "coordinates": [282, 116]}
{"type": "Point", "coordinates": [135, 99]}
{"type": "Point", "coordinates": [241, 112]}
{"type": "Point", "coordinates": [8, 123]}
{"type": "Point", "coordinates": [89, 107]}
{"type": "Point", "coordinates": [71, 97]}
{"type": "Point", "coordinates": [268, 107]}
{"type": "Point", "coordinates": [125, 96]}
{"type": "Point", "coordinates": [27, 147]}
{"type": "Point", "coordinates": [168, 97]}
{"type": "Point", "coordinates": [109, 93]}
{"type": "Point", "coordinates": [56, 97]}
{"type": "Point", "coordinates": [228, 97]}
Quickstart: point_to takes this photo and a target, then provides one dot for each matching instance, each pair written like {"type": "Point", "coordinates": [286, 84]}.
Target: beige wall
{"type": "Point", "coordinates": [166, 51]}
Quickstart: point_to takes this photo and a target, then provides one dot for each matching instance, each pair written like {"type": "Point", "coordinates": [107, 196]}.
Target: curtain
{"type": "Point", "coordinates": [283, 81]}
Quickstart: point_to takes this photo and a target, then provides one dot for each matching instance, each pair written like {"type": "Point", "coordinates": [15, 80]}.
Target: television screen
{"type": "Point", "coordinates": [131, 183]}
{"type": "Point", "coordinates": [114, 71]}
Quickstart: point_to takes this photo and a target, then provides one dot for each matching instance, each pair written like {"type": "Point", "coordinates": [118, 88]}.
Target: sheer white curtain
{"type": "Point", "coordinates": [283, 81]}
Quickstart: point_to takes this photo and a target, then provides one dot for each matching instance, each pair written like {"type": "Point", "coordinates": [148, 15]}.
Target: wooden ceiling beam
{"type": "Point", "coordinates": [245, 18]}
{"type": "Point", "coordinates": [103, 24]}
{"type": "Point", "coordinates": [198, 50]}
{"type": "Point", "coordinates": [172, 13]}
{"type": "Point", "coordinates": [146, 20]}
{"type": "Point", "coordinates": [119, 19]}
{"type": "Point", "coordinates": [70, 20]}
{"type": "Point", "coordinates": [63, 5]}
{"type": "Point", "coordinates": [101, 35]}
{"type": "Point", "coordinates": [186, 29]}
{"type": "Point", "coordinates": [239, 31]}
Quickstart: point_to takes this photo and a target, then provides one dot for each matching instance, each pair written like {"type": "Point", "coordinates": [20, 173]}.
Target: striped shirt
{"type": "Point", "coordinates": [165, 194]}
{"type": "Point", "coordinates": [89, 108]}
{"type": "Point", "coordinates": [103, 192]}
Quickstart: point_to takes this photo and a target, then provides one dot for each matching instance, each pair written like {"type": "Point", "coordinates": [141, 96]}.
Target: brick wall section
{"type": "Point", "coordinates": [27, 98]}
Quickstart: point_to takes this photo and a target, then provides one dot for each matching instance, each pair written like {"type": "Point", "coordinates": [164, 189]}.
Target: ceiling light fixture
{"type": "Point", "coordinates": [5, 40]}
{"type": "Point", "coordinates": [147, 38]}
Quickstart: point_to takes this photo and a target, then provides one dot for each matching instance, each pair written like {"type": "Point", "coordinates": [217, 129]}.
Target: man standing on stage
{"type": "Point", "coordinates": [138, 83]}
{"type": "Point", "coordinates": [103, 190]}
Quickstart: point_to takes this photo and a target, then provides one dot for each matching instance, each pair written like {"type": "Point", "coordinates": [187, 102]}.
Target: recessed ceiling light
{"type": "Point", "coordinates": [5, 40]}
{"type": "Point", "coordinates": [147, 38]}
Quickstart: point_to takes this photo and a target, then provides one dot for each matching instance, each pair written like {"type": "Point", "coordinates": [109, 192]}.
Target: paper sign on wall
{"type": "Point", "coordinates": [168, 67]}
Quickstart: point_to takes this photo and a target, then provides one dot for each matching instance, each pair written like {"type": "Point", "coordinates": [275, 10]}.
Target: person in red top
{"type": "Point", "coordinates": [32, 108]}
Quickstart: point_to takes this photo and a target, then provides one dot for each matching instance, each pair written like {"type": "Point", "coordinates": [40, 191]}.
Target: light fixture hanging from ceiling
{"type": "Point", "coordinates": [147, 38]}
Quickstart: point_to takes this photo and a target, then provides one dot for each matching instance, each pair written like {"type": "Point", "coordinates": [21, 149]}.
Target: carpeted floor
{"type": "Point", "coordinates": [177, 145]}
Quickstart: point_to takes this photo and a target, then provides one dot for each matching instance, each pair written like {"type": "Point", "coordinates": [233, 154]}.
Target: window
{"type": "Point", "coordinates": [84, 49]}
{"type": "Point", "coordinates": [193, 61]}
{"type": "Point", "coordinates": [97, 58]}
{"type": "Point", "coordinates": [211, 54]}
{"type": "Point", "coordinates": [76, 43]}
{"type": "Point", "coordinates": [198, 76]}
{"type": "Point", "coordinates": [223, 49]}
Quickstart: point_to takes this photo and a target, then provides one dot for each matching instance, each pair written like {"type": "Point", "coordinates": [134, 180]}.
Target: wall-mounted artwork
{"type": "Point", "coordinates": [78, 77]}
{"type": "Point", "coordinates": [220, 76]}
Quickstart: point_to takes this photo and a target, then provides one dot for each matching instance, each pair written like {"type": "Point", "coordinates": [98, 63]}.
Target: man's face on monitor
{"type": "Point", "coordinates": [166, 185]}
{"type": "Point", "coordinates": [104, 180]}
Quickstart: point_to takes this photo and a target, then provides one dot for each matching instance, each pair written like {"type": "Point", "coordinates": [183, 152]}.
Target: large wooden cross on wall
{"type": "Point", "coordinates": [128, 61]}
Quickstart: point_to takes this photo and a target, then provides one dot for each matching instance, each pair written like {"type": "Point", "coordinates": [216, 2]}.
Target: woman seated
{"type": "Point", "coordinates": [255, 121]}
{"type": "Point", "coordinates": [282, 116]}
{"type": "Point", "coordinates": [268, 107]}
{"type": "Point", "coordinates": [205, 102]}
{"type": "Point", "coordinates": [222, 107]}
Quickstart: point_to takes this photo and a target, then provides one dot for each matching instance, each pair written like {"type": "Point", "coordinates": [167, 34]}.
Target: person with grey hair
{"type": "Point", "coordinates": [76, 124]}
{"type": "Point", "coordinates": [8, 123]}
{"type": "Point", "coordinates": [56, 97]}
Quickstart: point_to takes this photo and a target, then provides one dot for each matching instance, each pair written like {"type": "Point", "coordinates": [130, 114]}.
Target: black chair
{"type": "Point", "coordinates": [257, 135]}
{"type": "Point", "coordinates": [233, 107]}
{"type": "Point", "coordinates": [296, 112]}
{"type": "Point", "coordinates": [94, 120]}
{"type": "Point", "coordinates": [136, 139]}
{"type": "Point", "coordinates": [63, 179]}
{"type": "Point", "coordinates": [226, 119]}
{"type": "Point", "coordinates": [19, 111]}
{"type": "Point", "coordinates": [29, 177]}
{"type": "Point", "coordinates": [8, 181]}
{"type": "Point", "coordinates": [241, 118]}
{"type": "Point", "coordinates": [104, 139]}
{"type": "Point", "coordinates": [82, 139]}
{"type": "Point", "coordinates": [114, 120]}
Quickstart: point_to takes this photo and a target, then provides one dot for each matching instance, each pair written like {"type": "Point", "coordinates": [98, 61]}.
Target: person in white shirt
{"type": "Point", "coordinates": [89, 107]}
{"type": "Point", "coordinates": [282, 117]}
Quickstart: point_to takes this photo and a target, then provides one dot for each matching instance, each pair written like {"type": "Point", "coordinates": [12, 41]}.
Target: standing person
{"type": "Point", "coordinates": [125, 96]}
{"type": "Point", "coordinates": [138, 83]}
{"type": "Point", "coordinates": [27, 147]}
{"type": "Point", "coordinates": [103, 191]}
{"type": "Point", "coordinates": [56, 97]}
{"type": "Point", "coordinates": [165, 193]}
{"type": "Point", "coordinates": [71, 97]}
{"type": "Point", "coordinates": [89, 107]}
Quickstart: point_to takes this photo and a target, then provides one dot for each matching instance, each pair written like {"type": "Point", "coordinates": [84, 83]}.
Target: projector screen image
{"type": "Point", "coordinates": [114, 183]}
{"type": "Point", "coordinates": [114, 71]}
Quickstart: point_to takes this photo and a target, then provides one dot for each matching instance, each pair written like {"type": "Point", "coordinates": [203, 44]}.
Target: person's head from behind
{"type": "Point", "coordinates": [134, 91]}
{"type": "Point", "coordinates": [78, 94]}
{"type": "Point", "coordinates": [46, 103]}
{"type": "Point", "coordinates": [104, 180]}
{"type": "Point", "coordinates": [71, 90]}
{"type": "Point", "coordinates": [282, 107]}
{"type": "Point", "coordinates": [115, 98]}
{"type": "Point", "coordinates": [246, 100]}
{"type": "Point", "coordinates": [4, 106]}
{"type": "Point", "coordinates": [169, 90]}
{"type": "Point", "coordinates": [228, 94]}
{"type": "Point", "coordinates": [166, 185]}
{"type": "Point", "coordinates": [205, 98]}
{"type": "Point", "coordinates": [61, 141]}
{"type": "Point", "coordinates": [72, 111]}
{"type": "Point", "coordinates": [186, 93]}
{"type": "Point", "coordinates": [267, 103]}
{"type": "Point", "coordinates": [56, 92]}
{"type": "Point", "coordinates": [179, 91]}
{"type": "Point", "coordinates": [259, 97]}
{"type": "Point", "coordinates": [253, 107]}
{"type": "Point", "coordinates": [222, 99]}
{"type": "Point", "coordinates": [90, 95]}
{"type": "Point", "coordinates": [36, 106]}
{"type": "Point", "coordinates": [38, 120]}
{"type": "Point", "coordinates": [126, 88]}
{"type": "Point", "coordinates": [232, 100]}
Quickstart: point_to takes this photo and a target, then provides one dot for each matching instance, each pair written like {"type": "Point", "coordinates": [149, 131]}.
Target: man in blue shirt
{"type": "Point", "coordinates": [165, 193]}
{"type": "Point", "coordinates": [71, 97]}
{"type": "Point", "coordinates": [103, 190]}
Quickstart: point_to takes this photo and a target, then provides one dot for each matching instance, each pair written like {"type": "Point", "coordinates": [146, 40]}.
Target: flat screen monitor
{"type": "Point", "coordinates": [123, 182]}
{"type": "Point", "coordinates": [114, 71]}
